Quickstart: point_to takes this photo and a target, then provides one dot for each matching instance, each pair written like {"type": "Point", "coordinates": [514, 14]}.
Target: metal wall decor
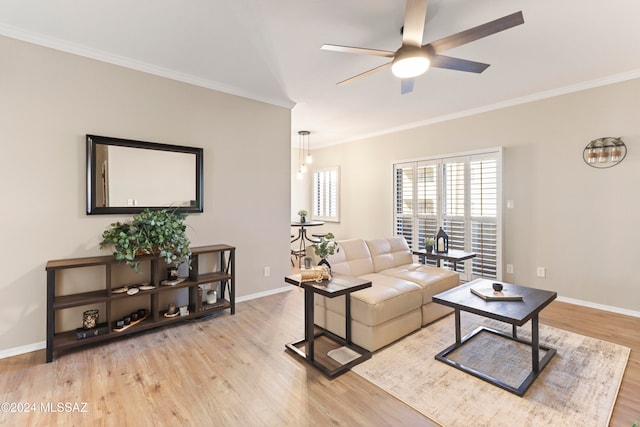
{"type": "Point", "coordinates": [604, 152]}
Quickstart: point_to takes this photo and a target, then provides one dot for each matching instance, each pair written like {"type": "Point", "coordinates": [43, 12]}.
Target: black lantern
{"type": "Point", "coordinates": [442, 241]}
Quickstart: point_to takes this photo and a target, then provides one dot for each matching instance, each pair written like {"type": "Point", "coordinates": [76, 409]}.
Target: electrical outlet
{"type": "Point", "coordinates": [267, 271]}
{"type": "Point", "coordinates": [542, 272]}
{"type": "Point", "coordinates": [510, 268]}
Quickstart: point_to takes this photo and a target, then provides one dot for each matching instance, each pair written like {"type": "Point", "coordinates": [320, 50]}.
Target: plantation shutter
{"type": "Point", "coordinates": [427, 192]}
{"type": "Point", "coordinates": [484, 214]}
{"type": "Point", "coordinates": [460, 194]}
{"type": "Point", "coordinates": [404, 201]}
{"type": "Point", "coordinates": [326, 194]}
{"type": "Point", "coordinates": [455, 206]}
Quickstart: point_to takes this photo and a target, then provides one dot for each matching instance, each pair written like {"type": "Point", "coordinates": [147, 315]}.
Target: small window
{"type": "Point", "coordinates": [326, 194]}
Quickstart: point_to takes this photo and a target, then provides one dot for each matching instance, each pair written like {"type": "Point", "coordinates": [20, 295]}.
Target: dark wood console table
{"type": "Point", "coordinates": [306, 348]}
{"type": "Point", "coordinates": [105, 294]}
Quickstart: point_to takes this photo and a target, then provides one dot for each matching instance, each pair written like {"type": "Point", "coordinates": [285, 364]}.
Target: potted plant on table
{"type": "Point", "coordinates": [428, 244]}
{"type": "Point", "coordinates": [303, 216]}
{"type": "Point", "coordinates": [325, 247]}
{"type": "Point", "coordinates": [153, 232]}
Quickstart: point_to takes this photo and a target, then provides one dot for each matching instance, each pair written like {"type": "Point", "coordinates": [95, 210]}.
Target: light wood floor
{"type": "Point", "coordinates": [234, 371]}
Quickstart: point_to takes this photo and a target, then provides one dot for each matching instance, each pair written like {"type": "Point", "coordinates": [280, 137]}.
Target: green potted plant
{"type": "Point", "coordinates": [428, 244]}
{"type": "Point", "coordinates": [154, 232]}
{"type": "Point", "coordinates": [303, 216]}
{"type": "Point", "coordinates": [325, 247]}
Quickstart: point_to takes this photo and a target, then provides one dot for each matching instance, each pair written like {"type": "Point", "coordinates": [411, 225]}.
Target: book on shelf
{"type": "Point", "coordinates": [488, 294]}
{"type": "Point", "coordinates": [100, 329]}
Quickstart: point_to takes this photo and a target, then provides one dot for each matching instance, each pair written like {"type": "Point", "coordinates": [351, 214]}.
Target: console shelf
{"type": "Point", "coordinates": [223, 277]}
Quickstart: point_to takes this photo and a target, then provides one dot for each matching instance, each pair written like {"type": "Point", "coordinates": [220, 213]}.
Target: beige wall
{"type": "Point", "coordinates": [49, 100]}
{"type": "Point", "coordinates": [578, 222]}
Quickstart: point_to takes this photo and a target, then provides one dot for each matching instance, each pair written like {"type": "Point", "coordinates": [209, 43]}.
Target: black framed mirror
{"type": "Point", "coordinates": [126, 176]}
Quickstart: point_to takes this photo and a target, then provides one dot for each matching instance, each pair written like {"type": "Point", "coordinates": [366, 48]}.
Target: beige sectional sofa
{"type": "Point", "coordinates": [399, 301]}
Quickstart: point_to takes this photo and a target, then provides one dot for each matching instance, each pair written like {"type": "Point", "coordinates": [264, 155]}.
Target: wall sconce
{"type": "Point", "coordinates": [604, 152]}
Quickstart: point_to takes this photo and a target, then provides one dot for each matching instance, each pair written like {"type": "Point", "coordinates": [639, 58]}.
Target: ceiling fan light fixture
{"type": "Point", "coordinates": [410, 62]}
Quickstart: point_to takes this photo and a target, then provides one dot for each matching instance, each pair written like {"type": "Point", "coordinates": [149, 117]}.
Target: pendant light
{"type": "Point", "coordinates": [304, 143]}
{"type": "Point", "coordinates": [309, 158]}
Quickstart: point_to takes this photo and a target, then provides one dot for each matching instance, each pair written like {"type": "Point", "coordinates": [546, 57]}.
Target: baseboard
{"type": "Point", "coordinates": [15, 351]}
{"type": "Point", "coordinates": [264, 294]}
{"type": "Point", "coordinates": [602, 307]}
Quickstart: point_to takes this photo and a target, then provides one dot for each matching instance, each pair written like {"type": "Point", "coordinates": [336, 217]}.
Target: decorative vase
{"type": "Point", "coordinates": [616, 153]}
{"type": "Point", "coordinates": [303, 220]}
{"type": "Point", "coordinates": [90, 319]}
{"type": "Point", "coordinates": [212, 297]}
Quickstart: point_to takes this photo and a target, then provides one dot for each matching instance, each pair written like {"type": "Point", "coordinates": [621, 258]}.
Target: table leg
{"type": "Point", "coordinates": [299, 236]}
{"type": "Point", "coordinates": [535, 345]}
{"type": "Point", "coordinates": [308, 323]}
{"type": "Point", "coordinates": [301, 250]}
{"type": "Point", "coordinates": [455, 265]}
{"type": "Point", "coordinates": [298, 253]}
{"type": "Point", "coordinates": [458, 334]}
{"type": "Point", "coordinates": [347, 313]}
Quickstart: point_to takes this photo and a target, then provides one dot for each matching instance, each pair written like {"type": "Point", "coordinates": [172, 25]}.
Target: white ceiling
{"type": "Point", "coordinates": [269, 50]}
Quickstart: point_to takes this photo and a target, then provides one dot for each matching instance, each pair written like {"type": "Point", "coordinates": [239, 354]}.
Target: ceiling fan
{"type": "Point", "coordinates": [413, 58]}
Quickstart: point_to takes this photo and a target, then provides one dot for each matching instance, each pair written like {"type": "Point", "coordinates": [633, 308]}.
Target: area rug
{"type": "Point", "coordinates": [579, 386]}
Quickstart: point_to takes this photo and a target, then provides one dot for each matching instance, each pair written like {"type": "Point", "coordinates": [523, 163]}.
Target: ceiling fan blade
{"type": "Point", "coordinates": [362, 50]}
{"type": "Point", "coordinates": [406, 86]}
{"type": "Point", "coordinates": [366, 73]}
{"type": "Point", "coordinates": [414, 18]}
{"type": "Point", "coordinates": [478, 32]}
{"type": "Point", "coordinates": [450, 63]}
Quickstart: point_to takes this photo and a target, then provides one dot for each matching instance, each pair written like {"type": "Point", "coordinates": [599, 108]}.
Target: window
{"type": "Point", "coordinates": [326, 194]}
{"type": "Point", "coordinates": [461, 194]}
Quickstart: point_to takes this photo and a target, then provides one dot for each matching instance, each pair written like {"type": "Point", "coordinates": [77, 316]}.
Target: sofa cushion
{"type": "Point", "coordinates": [352, 258]}
{"type": "Point", "coordinates": [389, 297]}
{"type": "Point", "coordinates": [389, 252]}
{"type": "Point", "coordinates": [433, 280]}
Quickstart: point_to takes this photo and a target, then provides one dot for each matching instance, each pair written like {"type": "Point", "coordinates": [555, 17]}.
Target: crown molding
{"type": "Point", "coordinates": [590, 84]}
{"type": "Point", "coordinates": [122, 61]}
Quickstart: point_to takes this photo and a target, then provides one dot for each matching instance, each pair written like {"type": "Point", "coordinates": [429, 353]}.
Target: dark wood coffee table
{"type": "Point", "coordinates": [516, 313]}
{"type": "Point", "coordinates": [306, 348]}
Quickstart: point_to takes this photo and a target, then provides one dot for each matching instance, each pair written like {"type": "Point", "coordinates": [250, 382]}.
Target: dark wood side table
{"type": "Point", "coordinates": [305, 348]}
{"type": "Point", "coordinates": [515, 313]}
{"type": "Point", "coordinates": [452, 255]}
